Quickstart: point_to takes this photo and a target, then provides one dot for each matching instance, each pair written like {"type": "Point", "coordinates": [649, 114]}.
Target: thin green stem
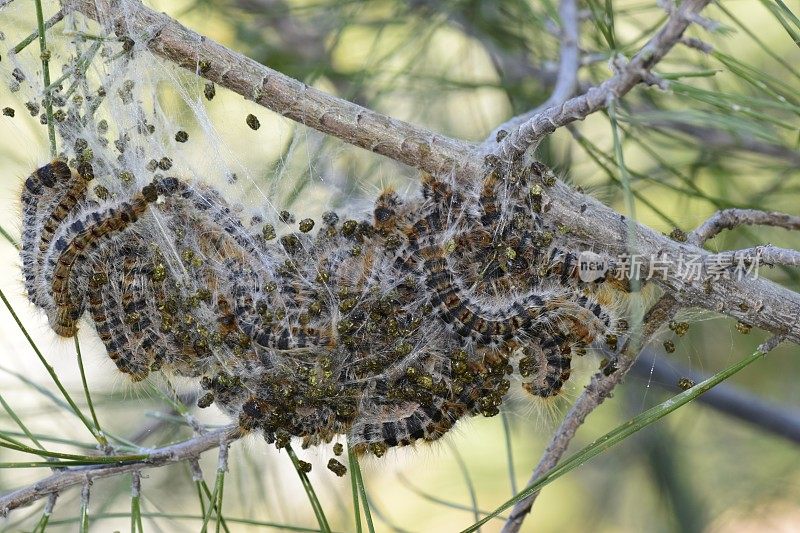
{"type": "Point", "coordinates": [45, 55]}
{"type": "Point", "coordinates": [205, 490]}
{"type": "Point", "coordinates": [19, 423]}
{"type": "Point", "coordinates": [50, 370]}
{"type": "Point", "coordinates": [355, 470]}
{"type": "Point", "coordinates": [52, 21]}
{"type": "Point", "coordinates": [462, 466]}
{"type": "Point", "coordinates": [100, 436]}
{"type": "Point", "coordinates": [172, 516]}
{"type": "Point", "coordinates": [637, 312]}
{"type": "Point", "coordinates": [8, 237]}
{"type": "Point", "coordinates": [310, 492]}
{"type": "Point", "coordinates": [509, 452]}
{"type": "Point", "coordinates": [351, 457]}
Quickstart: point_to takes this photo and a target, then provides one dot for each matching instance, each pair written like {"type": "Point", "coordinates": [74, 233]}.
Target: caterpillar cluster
{"type": "Point", "coordinates": [388, 329]}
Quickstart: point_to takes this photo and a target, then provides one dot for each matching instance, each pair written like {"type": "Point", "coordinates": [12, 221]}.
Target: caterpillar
{"type": "Point", "coordinates": [388, 329]}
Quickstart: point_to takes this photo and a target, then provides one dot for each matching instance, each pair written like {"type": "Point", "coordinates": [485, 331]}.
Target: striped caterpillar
{"type": "Point", "coordinates": [388, 329]}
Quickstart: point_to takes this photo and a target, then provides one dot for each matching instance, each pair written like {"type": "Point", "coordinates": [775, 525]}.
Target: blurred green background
{"type": "Point", "coordinates": [725, 134]}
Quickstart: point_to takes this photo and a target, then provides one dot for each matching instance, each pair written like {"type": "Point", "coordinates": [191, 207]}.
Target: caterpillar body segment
{"type": "Point", "coordinates": [41, 214]}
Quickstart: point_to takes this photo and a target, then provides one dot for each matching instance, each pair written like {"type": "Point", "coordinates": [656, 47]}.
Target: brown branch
{"type": "Point", "coordinates": [597, 226]}
{"type": "Point", "coordinates": [70, 477]}
{"type": "Point", "coordinates": [567, 78]}
{"type": "Point", "coordinates": [732, 218]}
{"type": "Point", "coordinates": [587, 221]}
{"type": "Point", "coordinates": [596, 98]}
{"type": "Point", "coordinates": [756, 256]}
{"type": "Point", "coordinates": [593, 395]}
{"type": "Point", "coordinates": [396, 139]}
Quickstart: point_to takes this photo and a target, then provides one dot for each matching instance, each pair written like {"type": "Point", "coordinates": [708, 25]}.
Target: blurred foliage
{"type": "Point", "coordinates": [724, 134]}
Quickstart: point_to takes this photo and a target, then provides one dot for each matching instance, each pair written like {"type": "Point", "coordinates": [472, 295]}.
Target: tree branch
{"type": "Point", "coordinates": [596, 98]}
{"type": "Point", "coordinates": [566, 79]}
{"type": "Point", "coordinates": [396, 139]}
{"type": "Point", "coordinates": [758, 255]}
{"type": "Point", "coordinates": [70, 477]}
{"type": "Point", "coordinates": [732, 218]}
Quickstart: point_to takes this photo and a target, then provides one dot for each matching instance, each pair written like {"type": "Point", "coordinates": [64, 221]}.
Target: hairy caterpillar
{"type": "Point", "coordinates": [388, 329]}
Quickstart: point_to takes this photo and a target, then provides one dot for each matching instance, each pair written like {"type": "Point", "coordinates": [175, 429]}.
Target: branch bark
{"type": "Point", "coordinates": [596, 98]}
{"type": "Point", "coordinates": [567, 77]}
{"type": "Point", "coordinates": [733, 218]}
{"type": "Point", "coordinates": [70, 477]}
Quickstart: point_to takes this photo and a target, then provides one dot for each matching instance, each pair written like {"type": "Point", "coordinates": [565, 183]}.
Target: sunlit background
{"type": "Point", "coordinates": [726, 134]}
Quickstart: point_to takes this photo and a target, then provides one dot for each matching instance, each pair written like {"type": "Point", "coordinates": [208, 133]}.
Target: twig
{"type": "Point", "coordinates": [52, 21]}
{"type": "Point", "coordinates": [69, 477]}
{"type": "Point", "coordinates": [566, 79]}
{"type": "Point", "coordinates": [732, 218]}
{"type": "Point", "coordinates": [85, 494]}
{"type": "Point", "coordinates": [291, 98]}
{"type": "Point", "coordinates": [45, 57]}
{"type": "Point", "coordinates": [595, 393]}
{"type": "Point", "coordinates": [724, 398]}
{"type": "Point", "coordinates": [765, 254]}
{"type": "Point", "coordinates": [578, 108]}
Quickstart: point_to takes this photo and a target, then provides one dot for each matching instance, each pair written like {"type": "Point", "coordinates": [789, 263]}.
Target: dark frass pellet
{"type": "Point", "coordinates": [306, 225]}
{"type": "Point", "coordinates": [678, 235]}
{"type": "Point", "coordinates": [686, 383]}
{"type": "Point", "coordinates": [303, 466]}
{"type": "Point", "coordinates": [206, 400]}
{"type": "Point", "coordinates": [286, 217]}
{"type": "Point", "coordinates": [165, 163]}
{"type": "Point", "coordinates": [268, 232]}
{"type": "Point", "coordinates": [253, 122]}
{"type": "Point", "coordinates": [181, 136]}
{"type": "Point", "coordinates": [337, 468]}
{"type": "Point", "coordinates": [338, 448]}
{"type": "Point", "coordinates": [669, 346]}
{"type": "Point", "coordinates": [101, 192]}
{"type": "Point", "coordinates": [330, 218]}
{"type": "Point", "coordinates": [209, 91]}
{"type": "Point", "coordinates": [8, 111]}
